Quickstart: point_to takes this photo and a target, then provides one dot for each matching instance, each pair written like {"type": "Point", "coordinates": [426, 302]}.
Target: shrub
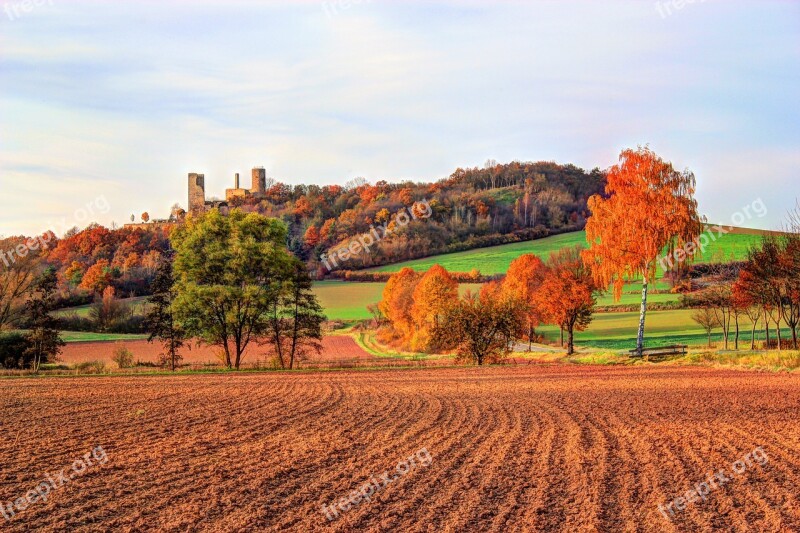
{"type": "Point", "coordinates": [73, 299]}
{"type": "Point", "coordinates": [132, 324]}
{"type": "Point", "coordinates": [91, 367]}
{"type": "Point", "coordinates": [274, 363]}
{"type": "Point", "coordinates": [108, 311]}
{"type": "Point", "coordinates": [786, 344]}
{"type": "Point", "coordinates": [74, 322]}
{"type": "Point", "coordinates": [123, 357]}
{"type": "Point", "coordinates": [12, 351]}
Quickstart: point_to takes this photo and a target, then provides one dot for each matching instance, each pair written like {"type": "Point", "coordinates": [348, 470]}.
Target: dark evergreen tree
{"type": "Point", "coordinates": [305, 315]}
{"type": "Point", "coordinates": [44, 339]}
{"type": "Point", "coordinates": [160, 319]}
{"type": "Point", "coordinates": [296, 319]}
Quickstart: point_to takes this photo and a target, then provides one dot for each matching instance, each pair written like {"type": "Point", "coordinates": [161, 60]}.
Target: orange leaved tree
{"type": "Point", "coordinates": [311, 237]}
{"type": "Point", "coordinates": [522, 281]}
{"type": "Point", "coordinates": [436, 291]}
{"type": "Point", "coordinates": [648, 208]}
{"type": "Point", "coordinates": [97, 277]}
{"type": "Point", "coordinates": [567, 293]}
{"type": "Point", "coordinates": [398, 298]}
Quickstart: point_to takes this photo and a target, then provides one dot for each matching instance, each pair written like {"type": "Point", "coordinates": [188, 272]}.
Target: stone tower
{"type": "Point", "coordinates": [197, 193]}
{"type": "Point", "coordinates": [259, 182]}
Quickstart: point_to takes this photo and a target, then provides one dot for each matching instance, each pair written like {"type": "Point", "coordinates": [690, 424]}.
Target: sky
{"type": "Point", "coordinates": [105, 107]}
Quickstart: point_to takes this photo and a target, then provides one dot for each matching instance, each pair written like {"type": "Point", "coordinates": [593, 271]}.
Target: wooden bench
{"type": "Point", "coordinates": [660, 352]}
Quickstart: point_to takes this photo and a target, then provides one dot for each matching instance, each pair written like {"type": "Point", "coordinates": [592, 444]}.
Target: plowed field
{"type": "Point", "coordinates": [335, 348]}
{"type": "Point", "coordinates": [535, 448]}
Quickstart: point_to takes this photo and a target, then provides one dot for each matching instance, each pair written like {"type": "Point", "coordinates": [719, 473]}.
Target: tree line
{"type": "Point", "coordinates": [424, 312]}
{"type": "Point", "coordinates": [471, 208]}
{"type": "Point", "coordinates": [764, 289]}
{"type": "Point", "coordinates": [647, 210]}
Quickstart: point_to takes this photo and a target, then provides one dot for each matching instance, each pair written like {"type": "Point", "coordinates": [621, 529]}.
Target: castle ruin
{"type": "Point", "coordinates": [197, 191]}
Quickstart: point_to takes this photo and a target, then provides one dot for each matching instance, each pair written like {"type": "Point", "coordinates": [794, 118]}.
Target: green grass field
{"type": "Point", "coordinates": [633, 296]}
{"type": "Point", "coordinates": [81, 336]}
{"type": "Point", "coordinates": [344, 300]}
{"type": "Point", "coordinates": [617, 331]}
{"type": "Point", "coordinates": [496, 259]}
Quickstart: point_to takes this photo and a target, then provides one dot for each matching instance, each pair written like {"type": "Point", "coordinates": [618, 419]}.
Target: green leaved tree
{"type": "Point", "coordinates": [230, 272]}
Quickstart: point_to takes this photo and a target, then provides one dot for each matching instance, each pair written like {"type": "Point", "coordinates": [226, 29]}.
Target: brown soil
{"type": "Point", "coordinates": [535, 448]}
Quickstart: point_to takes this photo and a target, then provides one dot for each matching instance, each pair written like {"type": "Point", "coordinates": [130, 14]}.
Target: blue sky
{"type": "Point", "coordinates": [122, 99]}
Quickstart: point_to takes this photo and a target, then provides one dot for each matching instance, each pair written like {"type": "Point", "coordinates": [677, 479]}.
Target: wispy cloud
{"type": "Point", "coordinates": [128, 97]}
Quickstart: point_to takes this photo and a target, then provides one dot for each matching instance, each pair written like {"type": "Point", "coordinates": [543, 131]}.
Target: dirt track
{"type": "Point", "coordinates": [512, 449]}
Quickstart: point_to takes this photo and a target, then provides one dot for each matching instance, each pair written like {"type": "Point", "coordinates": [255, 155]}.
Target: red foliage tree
{"type": "Point", "coordinates": [303, 208]}
{"type": "Point", "coordinates": [434, 293]}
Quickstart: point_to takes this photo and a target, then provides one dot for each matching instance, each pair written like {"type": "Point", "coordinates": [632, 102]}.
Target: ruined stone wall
{"type": "Point", "coordinates": [230, 194]}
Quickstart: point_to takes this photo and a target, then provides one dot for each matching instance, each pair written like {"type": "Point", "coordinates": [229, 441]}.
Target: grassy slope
{"type": "Point", "coordinates": [492, 260]}
{"type": "Point", "coordinates": [496, 259]}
